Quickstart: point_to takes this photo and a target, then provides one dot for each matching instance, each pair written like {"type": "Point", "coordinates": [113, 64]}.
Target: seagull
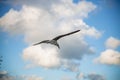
{"type": "Point", "coordinates": [54, 40]}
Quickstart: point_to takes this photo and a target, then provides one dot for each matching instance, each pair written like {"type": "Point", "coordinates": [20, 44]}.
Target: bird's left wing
{"type": "Point", "coordinates": [58, 37]}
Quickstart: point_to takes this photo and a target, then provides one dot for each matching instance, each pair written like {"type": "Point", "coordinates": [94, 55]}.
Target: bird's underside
{"type": "Point", "coordinates": [54, 40]}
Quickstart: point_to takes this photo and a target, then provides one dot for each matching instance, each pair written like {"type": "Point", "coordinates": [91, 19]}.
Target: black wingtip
{"type": "Point", "coordinates": [78, 30]}
{"type": "Point", "coordinates": [35, 44]}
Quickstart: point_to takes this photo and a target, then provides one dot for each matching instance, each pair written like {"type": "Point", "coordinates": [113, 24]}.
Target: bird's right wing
{"type": "Point", "coordinates": [58, 37]}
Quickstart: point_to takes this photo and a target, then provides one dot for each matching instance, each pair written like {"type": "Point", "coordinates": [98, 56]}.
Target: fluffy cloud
{"type": "Point", "coordinates": [58, 7]}
{"type": "Point", "coordinates": [35, 22]}
{"type": "Point", "coordinates": [45, 57]}
{"type": "Point", "coordinates": [90, 76]}
{"type": "Point", "coordinates": [109, 57]}
{"type": "Point", "coordinates": [31, 21]}
{"type": "Point", "coordinates": [37, 3]}
{"type": "Point", "coordinates": [68, 9]}
{"type": "Point", "coordinates": [112, 43]}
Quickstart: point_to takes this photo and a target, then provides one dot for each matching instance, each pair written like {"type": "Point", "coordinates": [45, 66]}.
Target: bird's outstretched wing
{"type": "Point", "coordinates": [45, 41]}
{"type": "Point", "coordinates": [58, 37]}
{"type": "Point", "coordinates": [37, 43]}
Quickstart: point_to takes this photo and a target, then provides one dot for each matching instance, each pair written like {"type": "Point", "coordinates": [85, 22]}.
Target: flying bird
{"type": "Point", "coordinates": [54, 40]}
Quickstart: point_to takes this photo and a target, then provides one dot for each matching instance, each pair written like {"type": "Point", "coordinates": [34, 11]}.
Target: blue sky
{"type": "Point", "coordinates": [16, 38]}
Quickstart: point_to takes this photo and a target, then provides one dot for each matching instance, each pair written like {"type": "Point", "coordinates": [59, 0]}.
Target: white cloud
{"type": "Point", "coordinates": [45, 21]}
{"type": "Point", "coordinates": [112, 43]}
{"type": "Point", "coordinates": [45, 57]}
{"type": "Point", "coordinates": [68, 9]}
{"type": "Point", "coordinates": [31, 21]}
{"type": "Point", "coordinates": [92, 32]}
{"type": "Point", "coordinates": [109, 57]}
{"type": "Point", "coordinates": [59, 7]}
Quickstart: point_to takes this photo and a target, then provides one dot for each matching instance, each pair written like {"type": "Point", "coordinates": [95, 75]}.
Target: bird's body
{"type": "Point", "coordinates": [54, 40]}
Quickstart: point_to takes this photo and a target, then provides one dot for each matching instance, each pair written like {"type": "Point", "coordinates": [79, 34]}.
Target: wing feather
{"type": "Point", "coordinates": [58, 37]}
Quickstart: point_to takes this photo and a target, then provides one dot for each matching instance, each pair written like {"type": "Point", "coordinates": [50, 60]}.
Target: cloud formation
{"type": "Point", "coordinates": [45, 57]}
{"type": "Point", "coordinates": [90, 76]}
{"type": "Point", "coordinates": [109, 57]}
{"type": "Point", "coordinates": [5, 76]}
{"type": "Point", "coordinates": [33, 22]}
{"type": "Point", "coordinates": [3, 73]}
{"type": "Point", "coordinates": [33, 77]}
{"type": "Point", "coordinates": [112, 43]}
{"type": "Point", "coordinates": [94, 76]}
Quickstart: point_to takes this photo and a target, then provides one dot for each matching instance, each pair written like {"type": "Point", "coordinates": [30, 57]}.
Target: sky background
{"type": "Point", "coordinates": [91, 54]}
